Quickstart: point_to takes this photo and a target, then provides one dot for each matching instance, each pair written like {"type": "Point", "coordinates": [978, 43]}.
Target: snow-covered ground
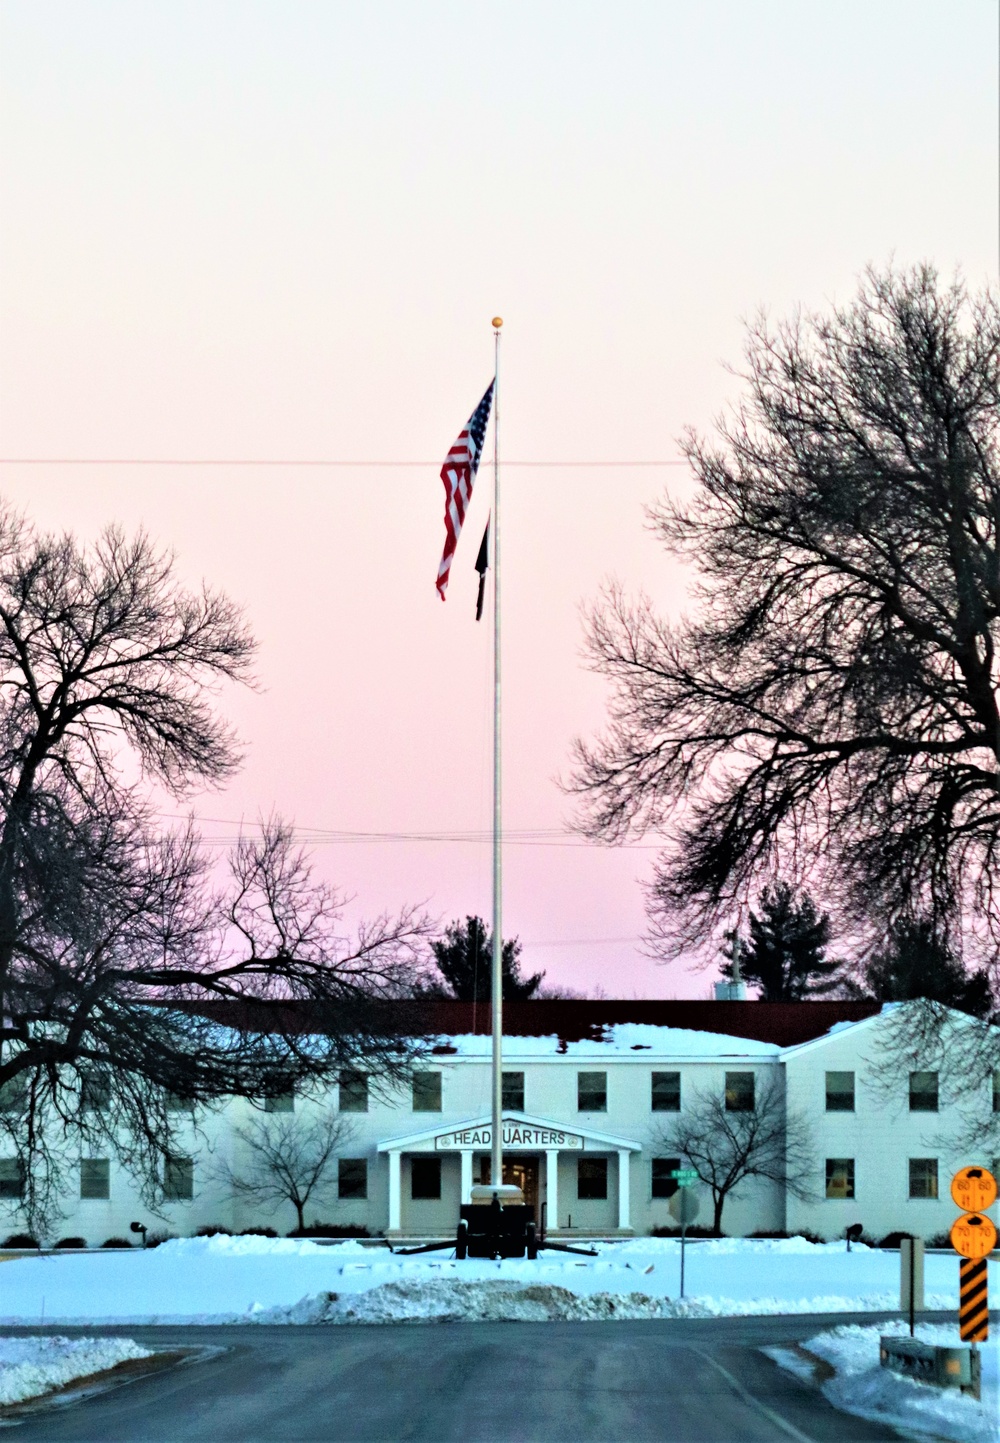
{"type": "Point", "coordinates": [238, 1280]}
{"type": "Point", "coordinates": [30, 1367]}
{"type": "Point", "coordinates": [860, 1386]}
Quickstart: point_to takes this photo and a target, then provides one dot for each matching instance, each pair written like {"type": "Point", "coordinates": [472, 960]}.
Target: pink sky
{"type": "Point", "coordinates": [241, 230]}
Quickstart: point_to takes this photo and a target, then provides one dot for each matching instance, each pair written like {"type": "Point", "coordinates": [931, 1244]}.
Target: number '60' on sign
{"type": "Point", "coordinates": [974, 1189]}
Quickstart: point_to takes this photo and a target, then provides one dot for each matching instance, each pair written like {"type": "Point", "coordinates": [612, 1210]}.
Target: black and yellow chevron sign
{"type": "Point", "coordinates": [973, 1308]}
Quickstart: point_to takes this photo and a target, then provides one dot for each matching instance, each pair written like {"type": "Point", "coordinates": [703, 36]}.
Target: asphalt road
{"type": "Point", "coordinates": [673, 1381]}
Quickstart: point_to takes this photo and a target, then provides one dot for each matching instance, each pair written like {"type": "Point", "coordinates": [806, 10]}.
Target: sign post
{"type": "Point", "coordinates": [974, 1237]}
{"type": "Point", "coordinates": [911, 1278]}
{"type": "Point", "coordinates": [684, 1206]}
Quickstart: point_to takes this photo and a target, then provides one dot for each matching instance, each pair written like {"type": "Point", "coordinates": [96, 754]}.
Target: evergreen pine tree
{"type": "Point", "coordinates": [786, 953]}
{"type": "Point", "coordinates": [464, 958]}
{"type": "Point", "coordinates": [917, 961]}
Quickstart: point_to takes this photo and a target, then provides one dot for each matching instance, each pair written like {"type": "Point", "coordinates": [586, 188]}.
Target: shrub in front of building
{"type": "Point", "coordinates": [331, 1230]}
{"type": "Point", "coordinates": [694, 1231]}
{"type": "Point", "coordinates": [71, 1243]}
{"type": "Point", "coordinates": [893, 1239]}
{"type": "Point", "coordinates": [21, 1240]}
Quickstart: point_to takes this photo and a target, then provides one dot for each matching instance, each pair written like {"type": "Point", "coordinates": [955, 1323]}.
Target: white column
{"type": "Point", "coordinates": [466, 1176]}
{"type": "Point", "coordinates": [623, 1182]}
{"type": "Point", "coordinates": [395, 1212]}
{"type": "Point", "coordinates": [552, 1189]}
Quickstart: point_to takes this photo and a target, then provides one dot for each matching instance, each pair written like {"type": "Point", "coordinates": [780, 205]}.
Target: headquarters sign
{"type": "Point", "coordinates": [515, 1134]}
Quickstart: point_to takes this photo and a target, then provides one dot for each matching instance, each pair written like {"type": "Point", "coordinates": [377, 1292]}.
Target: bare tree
{"type": "Point", "coordinates": [128, 971]}
{"type": "Point", "coordinates": [928, 1035]}
{"type": "Point", "coordinates": [288, 1159]}
{"type": "Point", "coordinates": [829, 710]}
{"type": "Point", "coordinates": [726, 1145]}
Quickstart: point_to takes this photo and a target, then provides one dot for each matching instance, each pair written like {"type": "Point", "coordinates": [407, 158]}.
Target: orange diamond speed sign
{"type": "Point", "coordinates": [973, 1235]}
{"type": "Point", "coordinates": [974, 1189]}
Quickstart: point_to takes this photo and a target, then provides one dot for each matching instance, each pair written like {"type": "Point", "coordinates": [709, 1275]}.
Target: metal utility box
{"type": "Point", "coordinates": [958, 1367]}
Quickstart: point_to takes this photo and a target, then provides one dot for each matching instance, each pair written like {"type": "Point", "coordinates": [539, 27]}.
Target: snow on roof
{"type": "Point", "coordinates": [631, 1039]}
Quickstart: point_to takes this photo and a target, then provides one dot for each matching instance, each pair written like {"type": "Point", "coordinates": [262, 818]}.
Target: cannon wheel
{"type": "Point", "coordinates": [462, 1241]}
{"type": "Point", "coordinates": [531, 1237]}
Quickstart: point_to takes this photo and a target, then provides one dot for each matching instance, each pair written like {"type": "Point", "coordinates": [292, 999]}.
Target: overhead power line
{"type": "Point", "coordinates": [527, 837]}
{"type": "Point", "coordinates": [585, 942]}
{"type": "Point", "coordinates": [274, 461]}
{"type": "Point", "coordinates": [368, 838]}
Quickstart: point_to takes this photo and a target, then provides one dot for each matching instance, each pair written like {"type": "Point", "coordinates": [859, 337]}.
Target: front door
{"type": "Point", "coordinates": [522, 1172]}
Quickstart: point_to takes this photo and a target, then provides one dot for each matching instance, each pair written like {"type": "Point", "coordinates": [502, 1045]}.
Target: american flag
{"type": "Point", "coordinates": [458, 474]}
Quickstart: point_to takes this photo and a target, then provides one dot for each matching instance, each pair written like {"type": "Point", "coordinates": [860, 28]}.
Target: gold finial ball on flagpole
{"type": "Point", "coordinates": [497, 322]}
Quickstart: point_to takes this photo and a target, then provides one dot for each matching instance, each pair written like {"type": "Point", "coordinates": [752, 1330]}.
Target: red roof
{"type": "Point", "coordinates": [783, 1023]}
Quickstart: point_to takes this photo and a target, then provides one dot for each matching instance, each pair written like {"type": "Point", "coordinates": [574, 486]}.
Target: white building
{"type": "Point", "coordinates": [591, 1090]}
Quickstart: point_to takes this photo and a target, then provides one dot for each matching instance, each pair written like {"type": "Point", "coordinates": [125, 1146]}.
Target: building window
{"type": "Point", "coordinates": [280, 1101]}
{"type": "Point", "coordinates": [95, 1091]}
{"type": "Point", "coordinates": [11, 1177]}
{"type": "Point", "coordinates": [95, 1177]}
{"type": "Point", "coordinates": [592, 1091]}
{"type": "Point", "coordinates": [663, 1184]}
{"type": "Point", "coordinates": [427, 1092]}
{"type": "Point", "coordinates": [923, 1177]}
{"type": "Point", "coordinates": [840, 1177]}
{"type": "Point", "coordinates": [591, 1178]}
{"type": "Point", "coordinates": [996, 1092]}
{"type": "Point", "coordinates": [425, 1178]}
{"type": "Point", "coordinates": [352, 1177]}
{"type": "Point", "coordinates": [178, 1179]}
{"type": "Point", "coordinates": [739, 1092]}
{"type": "Point", "coordinates": [923, 1092]}
{"type": "Point", "coordinates": [840, 1092]}
{"type": "Point", "coordinates": [174, 1102]}
{"type": "Point", "coordinates": [354, 1092]}
{"type": "Point", "coordinates": [666, 1092]}
{"type": "Point", "coordinates": [513, 1091]}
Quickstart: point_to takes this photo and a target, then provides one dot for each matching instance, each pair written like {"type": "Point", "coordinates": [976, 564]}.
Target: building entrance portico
{"type": "Point", "coordinates": [533, 1148]}
{"type": "Point", "coordinates": [522, 1171]}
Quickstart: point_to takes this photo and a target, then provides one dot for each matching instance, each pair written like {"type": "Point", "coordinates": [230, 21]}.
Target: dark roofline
{"type": "Point", "coordinates": [573, 1019]}
{"type": "Point", "coordinates": [783, 1023]}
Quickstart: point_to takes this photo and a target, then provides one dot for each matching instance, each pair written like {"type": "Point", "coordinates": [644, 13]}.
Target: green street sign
{"type": "Point", "coordinates": [684, 1176]}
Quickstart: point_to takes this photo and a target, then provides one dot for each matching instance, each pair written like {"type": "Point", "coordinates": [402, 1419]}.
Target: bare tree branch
{"type": "Point", "coordinates": [829, 711]}
{"type": "Point", "coordinates": [122, 958]}
{"type": "Point", "coordinates": [728, 1148]}
{"type": "Point", "coordinates": [287, 1159]}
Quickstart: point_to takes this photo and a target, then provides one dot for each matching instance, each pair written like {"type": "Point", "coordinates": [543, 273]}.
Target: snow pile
{"type": "Point", "coordinates": [859, 1384]}
{"type": "Point", "coordinates": [502, 1299]}
{"type": "Point", "coordinates": [236, 1280]}
{"type": "Point", "coordinates": [30, 1367]}
{"type": "Point", "coordinates": [455, 1300]}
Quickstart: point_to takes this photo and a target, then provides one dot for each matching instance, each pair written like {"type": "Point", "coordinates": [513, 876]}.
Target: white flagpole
{"type": "Point", "coordinates": [496, 1161]}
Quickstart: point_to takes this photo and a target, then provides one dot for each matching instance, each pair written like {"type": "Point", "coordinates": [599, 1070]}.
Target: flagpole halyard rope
{"type": "Point", "coordinates": [496, 1160]}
